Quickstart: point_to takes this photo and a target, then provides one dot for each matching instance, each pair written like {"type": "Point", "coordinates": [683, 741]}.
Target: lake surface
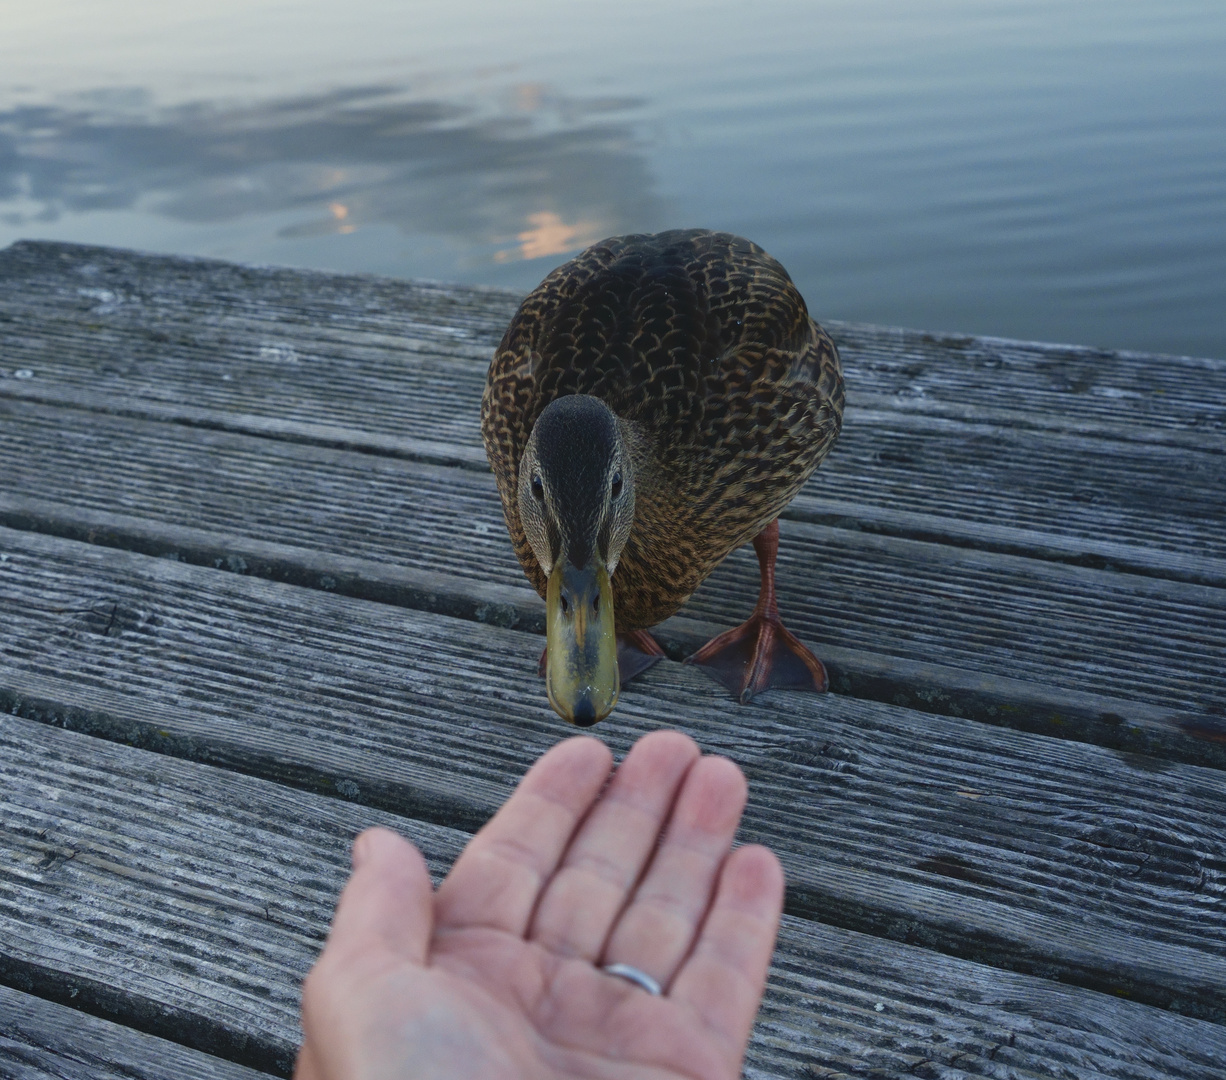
{"type": "Point", "coordinates": [1045, 170]}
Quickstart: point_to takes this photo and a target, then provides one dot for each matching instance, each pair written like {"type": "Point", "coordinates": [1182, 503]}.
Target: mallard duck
{"type": "Point", "coordinates": [654, 404]}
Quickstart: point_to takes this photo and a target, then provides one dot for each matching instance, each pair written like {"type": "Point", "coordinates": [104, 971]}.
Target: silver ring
{"type": "Point", "coordinates": [639, 978]}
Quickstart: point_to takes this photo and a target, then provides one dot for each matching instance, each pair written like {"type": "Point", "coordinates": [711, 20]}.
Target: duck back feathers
{"type": "Point", "coordinates": [729, 394]}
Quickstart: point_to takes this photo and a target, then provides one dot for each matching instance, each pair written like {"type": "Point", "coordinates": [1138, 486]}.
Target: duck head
{"type": "Point", "coordinates": [576, 506]}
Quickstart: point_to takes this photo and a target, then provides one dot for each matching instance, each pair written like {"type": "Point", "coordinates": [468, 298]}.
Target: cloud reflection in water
{"type": "Point", "coordinates": [533, 176]}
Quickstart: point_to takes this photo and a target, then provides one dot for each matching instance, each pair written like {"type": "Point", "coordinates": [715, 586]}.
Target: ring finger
{"type": "Point", "coordinates": [657, 929]}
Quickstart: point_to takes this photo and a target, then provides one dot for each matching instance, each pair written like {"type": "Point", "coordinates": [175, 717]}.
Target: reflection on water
{"type": "Point", "coordinates": [550, 235]}
{"type": "Point", "coordinates": [541, 178]}
{"type": "Point", "coordinates": [1033, 169]}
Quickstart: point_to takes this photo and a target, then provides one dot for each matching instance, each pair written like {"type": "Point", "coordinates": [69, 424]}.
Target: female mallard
{"type": "Point", "coordinates": [654, 404]}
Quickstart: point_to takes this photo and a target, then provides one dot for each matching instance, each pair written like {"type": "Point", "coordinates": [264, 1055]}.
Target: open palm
{"type": "Point", "coordinates": [499, 972]}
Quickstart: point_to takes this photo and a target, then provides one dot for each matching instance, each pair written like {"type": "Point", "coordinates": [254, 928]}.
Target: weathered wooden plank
{"type": "Point", "coordinates": [1120, 724]}
{"type": "Point", "coordinates": [177, 899]}
{"type": "Point", "coordinates": [189, 301]}
{"type": "Point", "coordinates": [349, 368]}
{"type": "Point", "coordinates": [208, 893]}
{"type": "Point", "coordinates": [1104, 869]}
{"type": "Point", "coordinates": [1128, 395]}
{"type": "Point", "coordinates": [40, 1040]}
{"type": "Point", "coordinates": [343, 362]}
{"type": "Point", "coordinates": [1069, 627]}
{"type": "Point", "coordinates": [1146, 509]}
{"type": "Point", "coordinates": [338, 361]}
{"type": "Point", "coordinates": [871, 604]}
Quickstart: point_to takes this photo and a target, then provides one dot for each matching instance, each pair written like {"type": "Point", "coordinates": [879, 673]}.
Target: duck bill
{"type": "Point", "coordinates": [581, 674]}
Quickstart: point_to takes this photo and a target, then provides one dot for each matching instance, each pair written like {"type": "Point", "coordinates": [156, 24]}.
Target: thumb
{"type": "Point", "coordinates": [384, 918]}
{"type": "Point", "coordinates": [388, 904]}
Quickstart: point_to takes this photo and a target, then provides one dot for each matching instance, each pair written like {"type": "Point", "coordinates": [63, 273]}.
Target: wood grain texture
{"type": "Point", "coordinates": [102, 291]}
{"type": "Point", "coordinates": [1025, 533]}
{"type": "Point", "coordinates": [41, 1040]}
{"type": "Point", "coordinates": [191, 900]}
{"type": "Point", "coordinates": [177, 899]}
{"type": "Point", "coordinates": [1100, 868]}
{"type": "Point", "coordinates": [1133, 396]}
{"type": "Point", "coordinates": [1096, 501]}
{"type": "Point", "coordinates": [867, 603]}
{"type": "Point", "coordinates": [1121, 724]}
{"type": "Point", "coordinates": [374, 364]}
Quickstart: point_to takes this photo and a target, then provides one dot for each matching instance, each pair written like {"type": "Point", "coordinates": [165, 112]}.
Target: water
{"type": "Point", "coordinates": [1041, 170]}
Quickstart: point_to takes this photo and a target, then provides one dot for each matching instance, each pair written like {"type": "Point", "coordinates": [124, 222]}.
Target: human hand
{"type": "Point", "coordinates": [498, 973]}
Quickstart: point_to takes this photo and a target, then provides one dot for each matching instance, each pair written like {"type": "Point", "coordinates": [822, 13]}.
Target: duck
{"type": "Point", "coordinates": [653, 405]}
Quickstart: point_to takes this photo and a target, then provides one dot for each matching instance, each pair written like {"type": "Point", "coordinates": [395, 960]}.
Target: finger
{"type": "Point", "coordinates": [388, 904]}
{"type": "Point", "coordinates": [498, 878]}
{"type": "Point", "coordinates": [658, 928]}
{"type": "Point", "coordinates": [614, 844]}
{"type": "Point", "coordinates": [383, 918]}
{"type": "Point", "coordinates": [724, 976]}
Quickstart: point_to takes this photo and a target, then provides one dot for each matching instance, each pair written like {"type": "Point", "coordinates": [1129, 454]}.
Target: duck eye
{"type": "Point", "coordinates": [538, 489]}
{"type": "Point", "coordinates": [616, 488]}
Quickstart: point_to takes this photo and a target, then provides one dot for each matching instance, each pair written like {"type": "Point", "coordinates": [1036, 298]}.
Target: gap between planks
{"type": "Point", "coordinates": [43, 1040]}
{"type": "Point", "coordinates": [343, 313]}
{"type": "Point", "coordinates": [993, 840]}
{"type": "Point", "coordinates": [875, 666]}
{"type": "Point", "coordinates": [1152, 512]}
{"type": "Point", "coordinates": [178, 300]}
{"type": "Point", "coordinates": [189, 901]}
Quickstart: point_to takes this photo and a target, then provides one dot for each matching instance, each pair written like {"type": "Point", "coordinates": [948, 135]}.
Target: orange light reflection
{"type": "Point", "coordinates": [550, 235]}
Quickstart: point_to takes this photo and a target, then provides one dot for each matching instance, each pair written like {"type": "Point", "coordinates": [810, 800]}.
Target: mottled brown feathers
{"type": "Point", "coordinates": [700, 341]}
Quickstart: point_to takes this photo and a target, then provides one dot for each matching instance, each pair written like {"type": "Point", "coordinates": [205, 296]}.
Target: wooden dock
{"type": "Point", "coordinates": [256, 594]}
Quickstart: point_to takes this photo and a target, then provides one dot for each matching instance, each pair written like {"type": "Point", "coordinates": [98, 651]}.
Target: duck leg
{"type": "Point", "coordinates": [637, 650]}
{"type": "Point", "coordinates": [761, 653]}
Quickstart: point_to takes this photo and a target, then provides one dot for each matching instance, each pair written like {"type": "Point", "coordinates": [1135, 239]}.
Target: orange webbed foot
{"type": "Point", "coordinates": [758, 655]}
{"type": "Point", "coordinates": [762, 653]}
